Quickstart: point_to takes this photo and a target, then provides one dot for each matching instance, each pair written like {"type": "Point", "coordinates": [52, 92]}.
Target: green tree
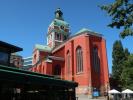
{"type": "Point", "coordinates": [127, 73]}
{"type": "Point", "coordinates": [126, 53]}
{"type": "Point", "coordinates": [118, 56]}
{"type": "Point", "coordinates": [121, 12]}
{"type": "Point", "coordinates": [121, 70]}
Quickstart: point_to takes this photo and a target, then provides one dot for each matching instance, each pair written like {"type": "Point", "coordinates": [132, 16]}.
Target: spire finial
{"type": "Point", "coordinates": [58, 14]}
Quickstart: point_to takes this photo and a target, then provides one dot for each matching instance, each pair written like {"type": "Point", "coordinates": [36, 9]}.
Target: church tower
{"type": "Point", "coordinates": [58, 30]}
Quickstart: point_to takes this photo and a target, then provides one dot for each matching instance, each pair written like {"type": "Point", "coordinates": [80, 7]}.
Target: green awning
{"type": "Point", "coordinates": [14, 75]}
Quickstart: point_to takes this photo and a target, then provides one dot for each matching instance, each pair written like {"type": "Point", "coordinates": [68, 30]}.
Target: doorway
{"type": "Point", "coordinates": [57, 71]}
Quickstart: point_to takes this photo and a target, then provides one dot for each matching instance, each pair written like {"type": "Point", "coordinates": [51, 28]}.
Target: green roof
{"type": "Point", "coordinates": [83, 30]}
{"type": "Point", "coordinates": [15, 75]}
{"type": "Point", "coordinates": [87, 30]}
{"type": "Point", "coordinates": [59, 23]}
{"type": "Point", "coordinates": [43, 47]}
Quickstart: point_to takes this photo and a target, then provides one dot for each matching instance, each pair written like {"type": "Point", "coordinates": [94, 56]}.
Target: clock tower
{"type": "Point", "coordinates": [58, 30]}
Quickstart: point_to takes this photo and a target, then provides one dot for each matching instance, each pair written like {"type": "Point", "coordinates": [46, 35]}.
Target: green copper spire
{"type": "Point", "coordinates": [59, 14]}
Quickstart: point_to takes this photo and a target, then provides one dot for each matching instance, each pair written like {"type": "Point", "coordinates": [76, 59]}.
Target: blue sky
{"type": "Point", "coordinates": [24, 22]}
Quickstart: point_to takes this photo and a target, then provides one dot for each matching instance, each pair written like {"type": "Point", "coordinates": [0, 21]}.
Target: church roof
{"type": "Point", "coordinates": [43, 47]}
{"type": "Point", "coordinates": [87, 30]}
{"type": "Point", "coordinates": [60, 22]}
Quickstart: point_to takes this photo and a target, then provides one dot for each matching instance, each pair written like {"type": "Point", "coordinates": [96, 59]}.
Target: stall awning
{"type": "Point", "coordinates": [113, 91]}
{"type": "Point", "coordinates": [128, 91]}
{"type": "Point", "coordinates": [10, 47]}
{"type": "Point", "coordinates": [15, 75]}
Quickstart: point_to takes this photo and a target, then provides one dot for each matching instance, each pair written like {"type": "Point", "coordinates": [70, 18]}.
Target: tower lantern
{"type": "Point", "coordinates": [59, 14]}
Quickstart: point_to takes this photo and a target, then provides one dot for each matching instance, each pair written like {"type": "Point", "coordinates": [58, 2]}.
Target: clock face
{"type": "Point", "coordinates": [62, 27]}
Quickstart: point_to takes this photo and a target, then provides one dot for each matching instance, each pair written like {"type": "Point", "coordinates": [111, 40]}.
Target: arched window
{"type": "Point", "coordinates": [58, 36]}
{"type": "Point", "coordinates": [57, 70]}
{"type": "Point", "coordinates": [44, 70]}
{"type": "Point", "coordinates": [39, 68]}
{"type": "Point", "coordinates": [79, 60]}
{"type": "Point", "coordinates": [68, 63]}
{"type": "Point", "coordinates": [96, 60]}
{"type": "Point", "coordinates": [34, 58]}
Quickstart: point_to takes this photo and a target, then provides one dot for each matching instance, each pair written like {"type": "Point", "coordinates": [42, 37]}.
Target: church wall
{"type": "Point", "coordinates": [60, 52]}
{"type": "Point", "coordinates": [96, 78]}
{"type": "Point", "coordinates": [69, 71]}
{"type": "Point", "coordinates": [43, 54]}
{"type": "Point", "coordinates": [81, 78]}
{"type": "Point", "coordinates": [88, 65]}
{"type": "Point", "coordinates": [41, 67]}
{"type": "Point", "coordinates": [105, 62]}
{"type": "Point", "coordinates": [61, 64]}
{"type": "Point", "coordinates": [101, 81]}
{"type": "Point", "coordinates": [35, 56]}
{"type": "Point", "coordinates": [84, 78]}
{"type": "Point", "coordinates": [89, 78]}
{"type": "Point", "coordinates": [48, 68]}
{"type": "Point", "coordinates": [105, 83]}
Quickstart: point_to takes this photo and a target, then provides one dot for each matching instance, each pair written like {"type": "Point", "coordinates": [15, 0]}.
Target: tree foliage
{"type": "Point", "coordinates": [121, 12]}
{"type": "Point", "coordinates": [120, 56]}
{"type": "Point", "coordinates": [126, 53]}
{"type": "Point", "coordinates": [127, 73]}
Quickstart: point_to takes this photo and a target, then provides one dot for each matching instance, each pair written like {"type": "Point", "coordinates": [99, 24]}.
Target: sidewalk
{"type": "Point", "coordinates": [84, 97]}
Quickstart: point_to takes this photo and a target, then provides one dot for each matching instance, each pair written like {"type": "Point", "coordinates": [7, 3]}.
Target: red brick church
{"type": "Point", "coordinates": [81, 57]}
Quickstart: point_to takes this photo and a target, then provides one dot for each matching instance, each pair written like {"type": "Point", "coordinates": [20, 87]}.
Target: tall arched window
{"type": "Point", "coordinates": [96, 60]}
{"type": "Point", "coordinates": [68, 63]}
{"type": "Point", "coordinates": [79, 60]}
